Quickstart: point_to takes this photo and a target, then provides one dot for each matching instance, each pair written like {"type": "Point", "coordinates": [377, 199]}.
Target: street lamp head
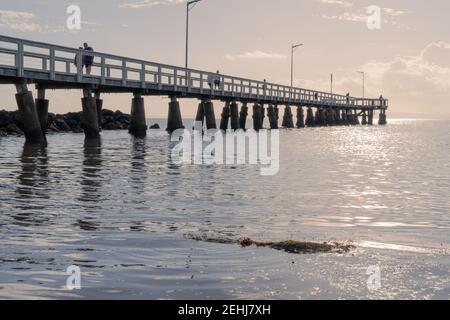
{"type": "Point", "coordinates": [189, 3]}
{"type": "Point", "coordinates": [297, 45]}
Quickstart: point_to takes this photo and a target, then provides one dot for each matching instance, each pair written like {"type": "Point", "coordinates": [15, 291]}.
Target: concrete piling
{"type": "Point", "coordinates": [337, 117]}
{"type": "Point", "coordinates": [29, 116]}
{"type": "Point", "coordinates": [174, 119]}
{"type": "Point", "coordinates": [263, 115]}
{"type": "Point", "coordinates": [225, 117]}
{"type": "Point", "coordinates": [243, 116]}
{"type": "Point", "coordinates": [209, 115]}
{"type": "Point", "coordinates": [288, 121]}
{"type": "Point", "coordinates": [257, 117]}
{"type": "Point", "coordinates": [300, 118]}
{"type": "Point", "coordinates": [89, 121]}
{"type": "Point", "coordinates": [383, 119]}
{"type": "Point", "coordinates": [277, 113]}
{"type": "Point", "coordinates": [234, 113]}
{"type": "Point", "coordinates": [271, 113]}
{"type": "Point", "coordinates": [309, 117]}
{"type": "Point", "coordinates": [356, 118]}
{"type": "Point", "coordinates": [200, 117]}
{"type": "Point", "coordinates": [320, 115]}
{"type": "Point", "coordinates": [138, 125]}
{"type": "Point", "coordinates": [330, 117]}
{"type": "Point", "coordinates": [99, 103]}
{"type": "Point", "coordinates": [370, 117]}
{"type": "Point", "coordinates": [344, 118]}
{"type": "Point", "coordinates": [364, 119]}
{"type": "Point", "coordinates": [42, 111]}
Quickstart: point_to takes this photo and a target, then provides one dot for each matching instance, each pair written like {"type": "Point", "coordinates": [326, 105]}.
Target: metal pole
{"type": "Point", "coordinates": [292, 62]}
{"type": "Point", "coordinates": [292, 66]}
{"type": "Point", "coordinates": [187, 34]}
{"type": "Point", "coordinates": [331, 84]}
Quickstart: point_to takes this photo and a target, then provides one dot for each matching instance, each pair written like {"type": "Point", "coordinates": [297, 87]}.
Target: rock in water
{"type": "Point", "coordinates": [14, 129]}
{"type": "Point", "coordinates": [3, 133]}
{"type": "Point", "coordinates": [155, 127]}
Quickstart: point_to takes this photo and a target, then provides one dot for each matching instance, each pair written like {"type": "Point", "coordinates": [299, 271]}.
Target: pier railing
{"type": "Point", "coordinates": [42, 62]}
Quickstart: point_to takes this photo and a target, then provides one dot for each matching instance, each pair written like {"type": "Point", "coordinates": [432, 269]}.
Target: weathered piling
{"type": "Point", "coordinates": [288, 121]}
{"type": "Point", "coordinates": [89, 120]}
{"type": "Point", "coordinates": [330, 117]}
{"type": "Point", "coordinates": [138, 125]}
{"type": "Point", "coordinates": [370, 117]}
{"type": "Point", "coordinates": [209, 115]}
{"type": "Point", "coordinates": [364, 119]}
{"type": "Point", "coordinates": [200, 117]}
{"type": "Point", "coordinates": [337, 117]}
{"type": "Point", "coordinates": [257, 122]}
{"type": "Point", "coordinates": [263, 115]}
{"type": "Point", "coordinates": [356, 118]}
{"type": "Point", "coordinates": [42, 111]}
{"type": "Point", "coordinates": [309, 117]}
{"type": "Point", "coordinates": [243, 116]}
{"type": "Point", "coordinates": [344, 117]}
{"type": "Point", "coordinates": [234, 113]}
{"type": "Point", "coordinates": [320, 117]}
{"type": "Point", "coordinates": [174, 119]}
{"type": "Point", "coordinates": [271, 113]}
{"type": "Point", "coordinates": [383, 119]}
{"type": "Point", "coordinates": [29, 116]}
{"type": "Point", "coordinates": [300, 118]}
{"type": "Point", "coordinates": [225, 117]}
{"type": "Point", "coordinates": [99, 103]}
{"type": "Point", "coordinates": [277, 113]}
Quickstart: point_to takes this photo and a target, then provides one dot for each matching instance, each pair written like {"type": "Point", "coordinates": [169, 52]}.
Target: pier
{"type": "Point", "coordinates": [53, 67]}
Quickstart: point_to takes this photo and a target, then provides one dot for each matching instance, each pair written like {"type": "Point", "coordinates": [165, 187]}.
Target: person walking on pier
{"type": "Point", "coordinates": [217, 81]}
{"type": "Point", "coordinates": [88, 58]}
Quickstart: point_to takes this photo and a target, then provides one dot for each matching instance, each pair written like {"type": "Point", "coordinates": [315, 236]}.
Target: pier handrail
{"type": "Point", "coordinates": [140, 74]}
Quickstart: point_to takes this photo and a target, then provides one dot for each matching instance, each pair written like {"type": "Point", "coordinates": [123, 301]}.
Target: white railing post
{"type": "Point", "coordinates": [159, 78]}
{"type": "Point", "coordinates": [19, 59]}
{"type": "Point", "coordinates": [52, 64]}
{"type": "Point", "coordinates": [188, 80]}
{"type": "Point", "coordinates": [103, 70]}
{"type": "Point", "coordinates": [124, 72]}
{"type": "Point", "coordinates": [79, 65]}
{"type": "Point", "coordinates": [175, 79]}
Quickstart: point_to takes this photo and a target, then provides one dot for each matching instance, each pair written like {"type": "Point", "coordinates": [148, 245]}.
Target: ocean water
{"type": "Point", "coordinates": [121, 211]}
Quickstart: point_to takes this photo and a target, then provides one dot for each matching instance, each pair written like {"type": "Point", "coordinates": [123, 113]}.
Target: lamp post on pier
{"type": "Point", "coordinates": [364, 82]}
{"type": "Point", "coordinates": [189, 6]}
{"type": "Point", "coordinates": [292, 61]}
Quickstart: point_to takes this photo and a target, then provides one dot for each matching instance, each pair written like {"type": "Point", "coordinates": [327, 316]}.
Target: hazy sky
{"type": "Point", "coordinates": [407, 60]}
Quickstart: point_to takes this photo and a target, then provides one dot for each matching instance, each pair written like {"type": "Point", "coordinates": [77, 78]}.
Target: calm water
{"type": "Point", "coordinates": [120, 211]}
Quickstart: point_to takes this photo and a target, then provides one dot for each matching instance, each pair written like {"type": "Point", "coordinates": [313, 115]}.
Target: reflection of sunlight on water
{"type": "Point", "coordinates": [397, 247]}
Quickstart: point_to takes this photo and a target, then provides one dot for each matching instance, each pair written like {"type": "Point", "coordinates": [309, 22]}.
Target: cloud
{"type": "Point", "coordinates": [388, 15]}
{"type": "Point", "coordinates": [257, 54]}
{"type": "Point", "coordinates": [345, 4]}
{"type": "Point", "coordinates": [19, 20]}
{"type": "Point", "coordinates": [150, 3]}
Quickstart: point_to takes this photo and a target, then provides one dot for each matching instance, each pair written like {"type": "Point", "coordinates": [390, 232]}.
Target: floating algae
{"type": "Point", "coordinates": [289, 246]}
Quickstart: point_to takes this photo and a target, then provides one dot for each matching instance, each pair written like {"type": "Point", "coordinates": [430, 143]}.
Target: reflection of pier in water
{"type": "Point", "coordinates": [33, 181]}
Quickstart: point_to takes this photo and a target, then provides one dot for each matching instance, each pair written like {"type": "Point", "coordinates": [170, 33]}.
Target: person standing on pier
{"type": "Point", "coordinates": [217, 80]}
{"type": "Point", "coordinates": [88, 58]}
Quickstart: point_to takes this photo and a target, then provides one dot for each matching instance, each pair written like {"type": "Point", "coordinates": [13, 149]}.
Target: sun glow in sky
{"type": "Point", "coordinates": [407, 60]}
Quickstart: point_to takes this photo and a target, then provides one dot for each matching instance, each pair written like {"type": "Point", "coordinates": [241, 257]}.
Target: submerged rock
{"type": "Point", "coordinates": [12, 128]}
{"type": "Point", "coordinates": [3, 133]}
{"type": "Point", "coordinates": [155, 127]}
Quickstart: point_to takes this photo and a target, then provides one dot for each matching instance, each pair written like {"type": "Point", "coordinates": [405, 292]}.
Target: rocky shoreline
{"type": "Point", "coordinates": [10, 123]}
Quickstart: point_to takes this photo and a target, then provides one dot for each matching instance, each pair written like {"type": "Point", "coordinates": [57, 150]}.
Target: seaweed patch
{"type": "Point", "coordinates": [289, 246]}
